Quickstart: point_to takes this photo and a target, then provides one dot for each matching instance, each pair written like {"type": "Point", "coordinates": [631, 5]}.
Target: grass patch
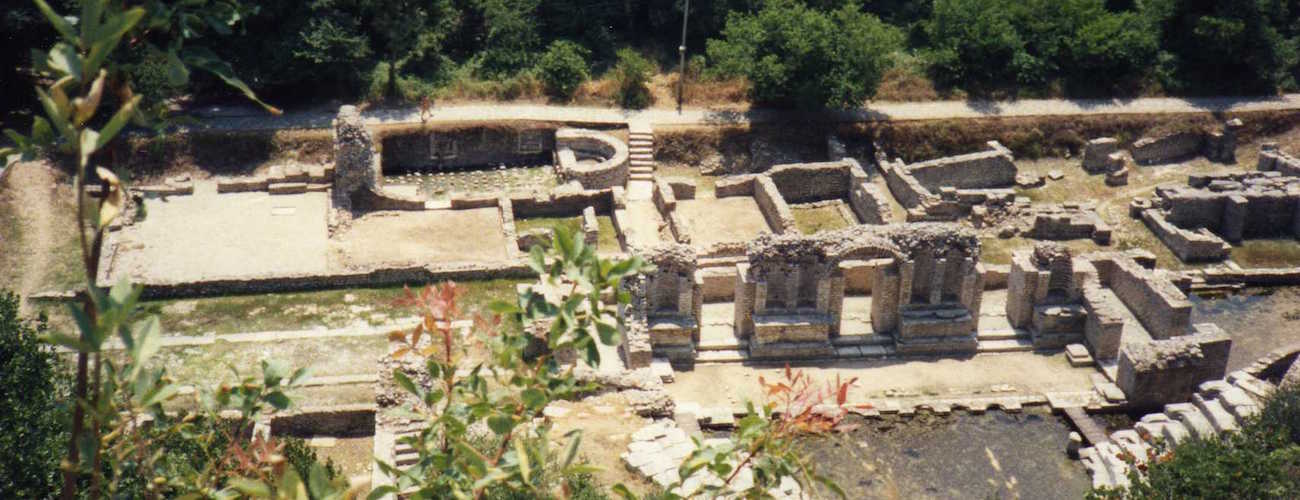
{"type": "Point", "coordinates": [608, 237]}
{"type": "Point", "coordinates": [815, 219]}
{"type": "Point", "coordinates": [304, 310]}
{"type": "Point", "coordinates": [572, 224]}
{"type": "Point", "coordinates": [999, 251]}
{"type": "Point", "coordinates": [1280, 252]}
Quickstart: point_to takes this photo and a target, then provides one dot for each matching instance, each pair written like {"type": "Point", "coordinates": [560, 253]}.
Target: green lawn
{"type": "Point", "coordinates": [812, 220]}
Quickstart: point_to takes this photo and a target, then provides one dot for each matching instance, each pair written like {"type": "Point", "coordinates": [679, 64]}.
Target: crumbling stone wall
{"type": "Point", "coordinates": [986, 169]}
{"type": "Point", "coordinates": [809, 182]}
{"type": "Point", "coordinates": [869, 204]}
{"type": "Point", "coordinates": [1168, 371]}
{"type": "Point", "coordinates": [1194, 220]}
{"type": "Point", "coordinates": [668, 301]}
{"type": "Point", "coordinates": [1168, 148]}
{"type": "Point", "coordinates": [1161, 308]}
{"type": "Point", "coordinates": [611, 154]}
{"type": "Point", "coordinates": [1097, 155]}
{"type": "Point", "coordinates": [354, 158]}
{"type": "Point", "coordinates": [1271, 159]}
{"type": "Point", "coordinates": [773, 205]}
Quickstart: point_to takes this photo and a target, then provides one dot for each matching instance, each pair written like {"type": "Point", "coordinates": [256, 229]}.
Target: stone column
{"type": "Point", "coordinates": [906, 272]}
{"type": "Point", "coordinates": [685, 297]}
{"type": "Point", "coordinates": [936, 280]}
{"type": "Point", "coordinates": [886, 295]}
{"type": "Point", "coordinates": [792, 288]}
{"type": "Point", "coordinates": [1234, 218]}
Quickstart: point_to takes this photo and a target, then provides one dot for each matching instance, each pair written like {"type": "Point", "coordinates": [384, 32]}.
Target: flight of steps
{"type": "Point", "coordinates": [1218, 406]}
{"type": "Point", "coordinates": [641, 150]}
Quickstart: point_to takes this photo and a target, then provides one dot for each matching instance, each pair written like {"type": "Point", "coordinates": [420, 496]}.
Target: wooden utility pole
{"type": "Point", "coordinates": [681, 56]}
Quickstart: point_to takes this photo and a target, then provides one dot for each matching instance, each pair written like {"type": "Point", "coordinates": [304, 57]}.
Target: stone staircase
{"type": "Point", "coordinates": [1218, 406]}
{"type": "Point", "coordinates": [641, 150]}
{"type": "Point", "coordinates": [1004, 340]}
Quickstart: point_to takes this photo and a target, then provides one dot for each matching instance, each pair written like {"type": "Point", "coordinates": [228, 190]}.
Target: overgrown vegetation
{"type": "Point", "coordinates": [1262, 460]}
{"type": "Point", "coordinates": [34, 393]}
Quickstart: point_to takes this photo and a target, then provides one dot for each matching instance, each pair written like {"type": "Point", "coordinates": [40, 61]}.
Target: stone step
{"type": "Point", "coordinates": [642, 169]}
{"type": "Point", "coordinates": [718, 344]}
{"type": "Point", "coordinates": [1175, 432]}
{"type": "Point", "coordinates": [727, 356]}
{"type": "Point", "coordinates": [638, 143]}
{"type": "Point", "coordinates": [640, 176]}
{"type": "Point", "coordinates": [1003, 334]}
{"type": "Point", "coordinates": [642, 163]}
{"type": "Point", "coordinates": [1008, 345]}
{"type": "Point", "coordinates": [1132, 443]}
{"type": "Point", "coordinates": [1192, 418]}
{"type": "Point", "coordinates": [640, 133]}
{"type": "Point", "coordinates": [1216, 414]}
{"type": "Point", "coordinates": [861, 340]}
{"type": "Point", "coordinates": [638, 152]}
{"type": "Point", "coordinates": [1255, 387]}
{"type": "Point", "coordinates": [642, 156]}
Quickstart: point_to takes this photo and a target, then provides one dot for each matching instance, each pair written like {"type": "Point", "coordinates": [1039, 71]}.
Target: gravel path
{"type": "Point", "coordinates": [247, 118]}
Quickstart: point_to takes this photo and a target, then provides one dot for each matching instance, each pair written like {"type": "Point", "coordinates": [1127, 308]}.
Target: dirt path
{"type": "Point", "coordinates": [252, 119]}
{"type": "Point", "coordinates": [29, 192]}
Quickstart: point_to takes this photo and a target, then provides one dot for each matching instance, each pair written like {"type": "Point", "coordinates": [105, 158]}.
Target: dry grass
{"type": "Point", "coordinates": [901, 84]}
{"type": "Point", "coordinates": [1281, 252]}
{"type": "Point", "coordinates": [704, 184]}
{"type": "Point", "coordinates": [701, 92]}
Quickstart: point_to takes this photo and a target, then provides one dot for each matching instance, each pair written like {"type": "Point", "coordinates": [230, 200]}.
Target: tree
{"type": "Point", "coordinates": [33, 389]}
{"type": "Point", "coordinates": [401, 31]}
{"type": "Point", "coordinates": [795, 55]}
{"type": "Point", "coordinates": [1111, 51]}
{"type": "Point", "coordinates": [1224, 46]}
{"type": "Point", "coordinates": [974, 44]}
{"type": "Point", "coordinates": [563, 68]}
{"type": "Point", "coordinates": [632, 74]}
{"type": "Point", "coordinates": [510, 36]}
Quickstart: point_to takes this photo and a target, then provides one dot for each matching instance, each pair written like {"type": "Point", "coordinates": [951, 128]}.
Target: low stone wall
{"type": "Point", "coordinates": [1161, 308]}
{"type": "Point", "coordinates": [717, 284]}
{"type": "Point", "coordinates": [1104, 328]}
{"type": "Point", "coordinates": [1273, 160]}
{"type": "Point", "coordinates": [906, 189]}
{"type": "Point", "coordinates": [1169, 148]}
{"type": "Point", "coordinates": [1096, 155]}
{"type": "Point", "coordinates": [869, 204]}
{"type": "Point", "coordinates": [735, 185]}
{"type": "Point", "coordinates": [1189, 246]}
{"type": "Point", "coordinates": [611, 170]}
{"type": "Point", "coordinates": [1289, 276]}
{"type": "Point", "coordinates": [809, 182]}
{"type": "Point", "coordinates": [337, 420]}
{"type": "Point", "coordinates": [773, 205]}
{"type": "Point", "coordinates": [563, 203]}
{"type": "Point", "coordinates": [1168, 371]}
{"type": "Point", "coordinates": [345, 279]}
{"type": "Point", "coordinates": [987, 169]}
{"type": "Point", "coordinates": [995, 276]}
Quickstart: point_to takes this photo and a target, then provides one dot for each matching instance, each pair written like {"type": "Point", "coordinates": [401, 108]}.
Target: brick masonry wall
{"type": "Point", "coordinates": [1189, 246]}
{"type": "Point", "coordinates": [809, 182]}
{"type": "Point", "coordinates": [869, 204]}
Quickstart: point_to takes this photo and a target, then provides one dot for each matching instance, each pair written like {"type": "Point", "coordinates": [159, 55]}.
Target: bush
{"type": "Point", "coordinates": [632, 73]}
{"type": "Point", "coordinates": [302, 458]}
{"type": "Point", "coordinates": [32, 392]}
{"type": "Point", "coordinates": [1262, 460]}
{"type": "Point", "coordinates": [563, 68]}
{"type": "Point", "coordinates": [793, 54]}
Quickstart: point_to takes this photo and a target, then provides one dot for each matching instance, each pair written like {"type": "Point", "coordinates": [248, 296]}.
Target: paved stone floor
{"type": "Point", "coordinates": [430, 236]}
{"type": "Point", "coordinates": [210, 235]}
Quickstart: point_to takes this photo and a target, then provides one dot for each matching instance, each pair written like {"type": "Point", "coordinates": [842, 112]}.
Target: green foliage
{"type": "Point", "coordinates": [1003, 45]}
{"type": "Point", "coordinates": [793, 54]}
{"type": "Point", "coordinates": [1262, 460]}
{"type": "Point", "coordinates": [632, 75]}
{"type": "Point", "coordinates": [563, 68]}
{"type": "Point", "coordinates": [33, 390]}
{"type": "Point", "coordinates": [510, 35]}
{"type": "Point", "coordinates": [1226, 46]}
{"type": "Point", "coordinates": [302, 458]}
{"type": "Point", "coordinates": [508, 390]}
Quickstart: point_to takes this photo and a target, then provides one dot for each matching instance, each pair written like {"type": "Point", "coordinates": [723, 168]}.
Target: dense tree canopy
{"type": "Point", "coordinates": [32, 393]}
{"type": "Point", "coordinates": [793, 54]}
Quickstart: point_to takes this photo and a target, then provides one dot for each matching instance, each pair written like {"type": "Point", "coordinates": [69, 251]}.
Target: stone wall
{"type": "Point", "coordinates": [1168, 148]}
{"type": "Point", "coordinates": [1271, 159]}
{"type": "Point", "coordinates": [773, 205]}
{"type": "Point", "coordinates": [906, 189]}
{"type": "Point", "coordinates": [809, 182]}
{"type": "Point", "coordinates": [869, 204]}
{"type": "Point", "coordinates": [1096, 155]}
{"type": "Point", "coordinates": [610, 155]}
{"type": "Point", "coordinates": [987, 169]}
{"type": "Point", "coordinates": [1168, 371]}
{"type": "Point", "coordinates": [355, 166]}
{"type": "Point", "coordinates": [1161, 308]}
{"type": "Point", "coordinates": [441, 149]}
{"type": "Point", "coordinates": [1189, 246]}
{"type": "Point", "coordinates": [564, 203]}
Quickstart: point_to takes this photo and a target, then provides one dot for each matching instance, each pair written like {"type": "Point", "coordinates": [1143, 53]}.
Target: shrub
{"type": "Point", "coordinates": [31, 391]}
{"type": "Point", "coordinates": [793, 54]}
{"type": "Point", "coordinates": [563, 68]}
{"type": "Point", "coordinates": [632, 73]}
